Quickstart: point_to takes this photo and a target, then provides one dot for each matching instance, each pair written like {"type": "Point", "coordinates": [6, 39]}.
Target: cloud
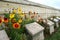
{"type": "Point", "coordinates": [52, 3]}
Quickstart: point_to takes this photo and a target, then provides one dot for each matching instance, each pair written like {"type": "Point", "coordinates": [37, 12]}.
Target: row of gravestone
{"type": "Point", "coordinates": [35, 30]}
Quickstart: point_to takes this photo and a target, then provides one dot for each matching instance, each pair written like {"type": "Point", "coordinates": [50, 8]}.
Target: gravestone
{"type": "Point", "coordinates": [35, 30]}
{"type": "Point", "coordinates": [3, 35]}
{"type": "Point", "coordinates": [51, 26]}
{"type": "Point", "coordinates": [56, 21]}
{"type": "Point", "coordinates": [58, 18]}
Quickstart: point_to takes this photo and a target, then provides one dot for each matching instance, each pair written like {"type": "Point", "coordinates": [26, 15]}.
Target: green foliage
{"type": "Point", "coordinates": [27, 21]}
{"type": "Point", "coordinates": [17, 34]}
{"type": "Point", "coordinates": [6, 15]}
{"type": "Point", "coordinates": [21, 37]}
{"type": "Point", "coordinates": [16, 17]}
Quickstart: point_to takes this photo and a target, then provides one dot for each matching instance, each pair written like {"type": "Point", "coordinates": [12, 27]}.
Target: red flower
{"type": "Point", "coordinates": [16, 25]}
{"type": "Point", "coordinates": [6, 20]}
{"type": "Point", "coordinates": [0, 21]}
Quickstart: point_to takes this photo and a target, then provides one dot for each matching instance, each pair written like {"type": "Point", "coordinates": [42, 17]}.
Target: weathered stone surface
{"type": "Point", "coordinates": [51, 29]}
{"type": "Point", "coordinates": [35, 30]}
{"type": "Point", "coordinates": [50, 22]}
{"type": "Point", "coordinates": [3, 35]}
{"type": "Point", "coordinates": [56, 20]}
{"type": "Point", "coordinates": [51, 26]}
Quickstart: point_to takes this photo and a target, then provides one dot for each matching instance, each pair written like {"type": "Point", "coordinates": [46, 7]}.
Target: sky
{"type": "Point", "coordinates": [52, 3]}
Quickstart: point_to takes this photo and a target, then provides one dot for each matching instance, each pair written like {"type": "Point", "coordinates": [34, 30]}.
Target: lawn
{"type": "Point", "coordinates": [54, 36]}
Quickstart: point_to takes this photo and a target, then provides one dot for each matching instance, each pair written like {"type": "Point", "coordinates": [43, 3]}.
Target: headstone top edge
{"type": "Point", "coordinates": [56, 20]}
{"type": "Point", "coordinates": [50, 22]}
{"type": "Point", "coordinates": [35, 29]}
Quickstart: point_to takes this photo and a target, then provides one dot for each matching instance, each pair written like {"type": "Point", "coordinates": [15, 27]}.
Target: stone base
{"type": "Point", "coordinates": [3, 35]}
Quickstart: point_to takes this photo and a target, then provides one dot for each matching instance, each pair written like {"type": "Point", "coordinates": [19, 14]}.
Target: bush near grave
{"type": "Point", "coordinates": [15, 25]}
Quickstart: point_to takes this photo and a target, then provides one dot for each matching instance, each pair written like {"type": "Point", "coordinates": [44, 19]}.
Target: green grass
{"type": "Point", "coordinates": [54, 36]}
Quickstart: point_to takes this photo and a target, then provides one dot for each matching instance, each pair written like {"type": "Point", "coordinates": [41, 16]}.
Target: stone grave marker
{"type": "Point", "coordinates": [58, 18]}
{"type": "Point", "coordinates": [51, 26]}
{"type": "Point", "coordinates": [35, 30]}
{"type": "Point", "coordinates": [3, 35]}
{"type": "Point", "coordinates": [56, 21]}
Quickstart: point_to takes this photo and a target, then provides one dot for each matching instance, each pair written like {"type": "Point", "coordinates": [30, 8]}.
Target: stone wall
{"type": "Point", "coordinates": [43, 12]}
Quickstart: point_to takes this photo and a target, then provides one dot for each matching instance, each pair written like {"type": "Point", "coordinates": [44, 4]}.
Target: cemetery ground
{"type": "Point", "coordinates": [54, 36]}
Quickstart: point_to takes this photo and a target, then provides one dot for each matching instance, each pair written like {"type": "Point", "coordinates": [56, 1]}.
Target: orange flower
{"type": "Point", "coordinates": [1, 20]}
{"type": "Point", "coordinates": [6, 20]}
{"type": "Point", "coordinates": [16, 25]}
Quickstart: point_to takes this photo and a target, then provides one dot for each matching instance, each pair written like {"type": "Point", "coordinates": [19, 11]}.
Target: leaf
{"type": "Point", "coordinates": [6, 15]}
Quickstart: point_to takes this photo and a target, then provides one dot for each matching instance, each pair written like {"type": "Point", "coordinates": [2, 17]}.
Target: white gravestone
{"type": "Point", "coordinates": [56, 21]}
{"type": "Point", "coordinates": [51, 26]}
{"type": "Point", "coordinates": [58, 18]}
{"type": "Point", "coordinates": [35, 30]}
{"type": "Point", "coordinates": [3, 35]}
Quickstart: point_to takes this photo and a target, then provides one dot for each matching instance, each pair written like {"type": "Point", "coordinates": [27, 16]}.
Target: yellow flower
{"type": "Point", "coordinates": [19, 10]}
{"type": "Point", "coordinates": [14, 10]}
{"type": "Point", "coordinates": [22, 15]}
{"type": "Point", "coordinates": [20, 20]}
{"type": "Point", "coordinates": [12, 15]}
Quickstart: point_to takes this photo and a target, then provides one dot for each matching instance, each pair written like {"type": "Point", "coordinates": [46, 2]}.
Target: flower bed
{"type": "Point", "coordinates": [15, 25]}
